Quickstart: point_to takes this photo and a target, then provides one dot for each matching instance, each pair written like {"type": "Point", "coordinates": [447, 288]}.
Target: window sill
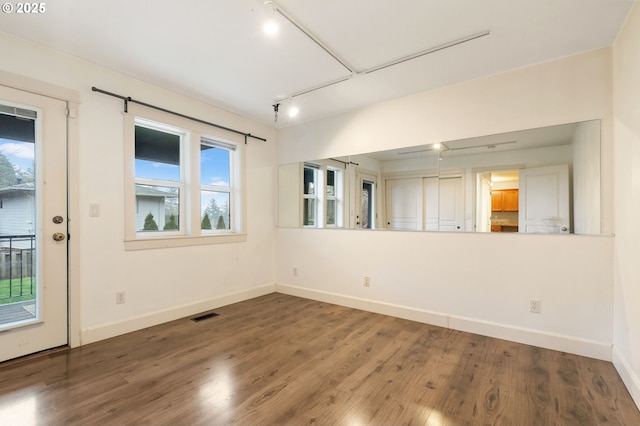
{"type": "Point", "coordinates": [157, 243]}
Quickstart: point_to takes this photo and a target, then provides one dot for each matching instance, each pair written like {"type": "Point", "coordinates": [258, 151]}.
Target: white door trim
{"type": "Point", "coordinates": [72, 97]}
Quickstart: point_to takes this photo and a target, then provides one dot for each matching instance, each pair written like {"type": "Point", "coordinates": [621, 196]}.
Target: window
{"type": "Point", "coordinates": [183, 182]}
{"type": "Point", "coordinates": [333, 200]}
{"type": "Point", "coordinates": [310, 197]}
{"type": "Point", "coordinates": [322, 196]}
{"type": "Point", "coordinates": [215, 182]}
{"type": "Point", "coordinates": [158, 178]}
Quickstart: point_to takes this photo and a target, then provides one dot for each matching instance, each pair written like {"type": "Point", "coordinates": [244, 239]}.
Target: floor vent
{"type": "Point", "coordinates": [204, 317]}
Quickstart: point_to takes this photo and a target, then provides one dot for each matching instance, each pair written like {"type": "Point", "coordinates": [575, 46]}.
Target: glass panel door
{"type": "Point", "coordinates": [18, 286]}
{"type": "Point", "coordinates": [33, 223]}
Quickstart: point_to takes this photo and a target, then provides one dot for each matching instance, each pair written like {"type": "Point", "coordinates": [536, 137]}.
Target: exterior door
{"type": "Point", "coordinates": [366, 214]}
{"type": "Point", "coordinates": [33, 223]}
{"type": "Point", "coordinates": [544, 200]}
{"type": "Point", "coordinates": [404, 203]}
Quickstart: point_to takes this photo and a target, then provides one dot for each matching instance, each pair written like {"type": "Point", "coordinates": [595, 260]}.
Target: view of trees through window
{"type": "Point", "coordinates": [12, 171]}
{"type": "Point", "coordinates": [162, 177]}
{"type": "Point", "coordinates": [17, 208]}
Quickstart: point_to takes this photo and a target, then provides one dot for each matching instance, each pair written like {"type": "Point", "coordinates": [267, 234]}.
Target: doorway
{"type": "Point", "coordinates": [366, 209]}
{"type": "Point", "coordinates": [33, 223]}
{"type": "Point", "coordinates": [497, 205]}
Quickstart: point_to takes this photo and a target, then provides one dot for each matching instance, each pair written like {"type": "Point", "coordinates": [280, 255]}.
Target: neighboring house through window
{"type": "Point", "coordinates": [183, 182]}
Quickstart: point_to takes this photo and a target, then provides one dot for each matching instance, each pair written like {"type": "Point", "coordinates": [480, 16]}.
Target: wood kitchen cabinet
{"type": "Point", "coordinates": [504, 200]}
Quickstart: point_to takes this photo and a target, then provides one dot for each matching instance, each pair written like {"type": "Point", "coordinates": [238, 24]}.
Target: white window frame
{"type": "Point", "coordinates": [179, 185]}
{"type": "Point", "coordinates": [232, 189]}
{"type": "Point", "coordinates": [321, 196]}
{"type": "Point", "coordinates": [317, 190]}
{"type": "Point", "coordinates": [338, 190]}
{"type": "Point", "coordinates": [189, 233]}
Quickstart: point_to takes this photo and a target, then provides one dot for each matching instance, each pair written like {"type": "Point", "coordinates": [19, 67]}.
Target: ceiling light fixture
{"type": "Point", "coordinates": [270, 26]}
{"type": "Point", "coordinates": [293, 110]}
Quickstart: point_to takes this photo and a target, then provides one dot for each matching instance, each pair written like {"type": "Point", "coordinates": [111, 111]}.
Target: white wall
{"type": "Point", "coordinates": [476, 282]}
{"type": "Point", "coordinates": [289, 203]}
{"type": "Point", "coordinates": [626, 335]}
{"type": "Point", "coordinates": [160, 284]}
{"type": "Point", "coordinates": [479, 282]}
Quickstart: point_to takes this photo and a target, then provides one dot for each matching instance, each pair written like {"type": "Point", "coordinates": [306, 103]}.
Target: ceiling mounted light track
{"type": "Point", "coordinates": [352, 71]}
{"type": "Point", "coordinates": [286, 15]}
{"type": "Point", "coordinates": [428, 51]}
{"type": "Point", "coordinates": [488, 146]}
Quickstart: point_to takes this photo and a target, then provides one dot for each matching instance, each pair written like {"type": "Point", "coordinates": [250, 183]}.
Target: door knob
{"type": "Point", "coordinates": [58, 236]}
{"type": "Point", "coordinates": [57, 219]}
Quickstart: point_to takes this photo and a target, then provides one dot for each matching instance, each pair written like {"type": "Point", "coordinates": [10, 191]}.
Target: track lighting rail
{"type": "Point", "coordinates": [352, 71]}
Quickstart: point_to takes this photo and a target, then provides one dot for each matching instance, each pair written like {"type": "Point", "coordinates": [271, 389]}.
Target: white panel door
{"type": "Point", "coordinates": [451, 205]}
{"type": "Point", "coordinates": [431, 204]}
{"type": "Point", "coordinates": [404, 203]}
{"type": "Point", "coordinates": [443, 204]}
{"type": "Point", "coordinates": [34, 138]}
{"type": "Point", "coordinates": [544, 200]}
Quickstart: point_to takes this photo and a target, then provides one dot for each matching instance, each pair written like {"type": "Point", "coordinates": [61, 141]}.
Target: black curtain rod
{"type": "Point", "coordinates": [128, 99]}
{"type": "Point", "coordinates": [346, 163]}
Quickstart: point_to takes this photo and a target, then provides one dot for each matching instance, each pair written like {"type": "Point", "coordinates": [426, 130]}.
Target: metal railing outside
{"type": "Point", "coordinates": [17, 266]}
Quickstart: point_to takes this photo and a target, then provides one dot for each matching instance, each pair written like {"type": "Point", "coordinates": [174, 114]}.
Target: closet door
{"type": "Point", "coordinates": [404, 204]}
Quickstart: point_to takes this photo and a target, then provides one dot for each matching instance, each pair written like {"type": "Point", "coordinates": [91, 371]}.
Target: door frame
{"type": "Point", "coordinates": [369, 176]}
{"type": "Point", "coordinates": [72, 97]}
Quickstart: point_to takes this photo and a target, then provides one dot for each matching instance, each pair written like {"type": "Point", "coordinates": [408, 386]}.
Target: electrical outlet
{"type": "Point", "coordinates": [295, 271]}
{"type": "Point", "coordinates": [535, 306]}
{"type": "Point", "coordinates": [367, 281]}
{"type": "Point", "coordinates": [120, 297]}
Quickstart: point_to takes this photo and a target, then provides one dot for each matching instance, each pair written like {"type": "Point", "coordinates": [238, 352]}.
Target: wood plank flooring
{"type": "Point", "coordinates": [279, 360]}
{"type": "Point", "coordinates": [18, 311]}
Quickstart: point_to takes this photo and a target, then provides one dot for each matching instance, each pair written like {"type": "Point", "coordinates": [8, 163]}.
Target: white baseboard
{"type": "Point", "coordinates": [128, 325]}
{"type": "Point", "coordinates": [583, 347]}
{"type": "Point", "coordinates": [630, 379]}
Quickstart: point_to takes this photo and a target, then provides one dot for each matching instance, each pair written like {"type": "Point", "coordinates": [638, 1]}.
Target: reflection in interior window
{"type": "Point", "coordinates": [310, 196]}
{"type": "Point", "coordinates": [367, 204]}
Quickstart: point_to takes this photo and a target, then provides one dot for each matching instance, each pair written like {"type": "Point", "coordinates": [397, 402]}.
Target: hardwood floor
{"type": "Point", "coordinates": [279, 359]}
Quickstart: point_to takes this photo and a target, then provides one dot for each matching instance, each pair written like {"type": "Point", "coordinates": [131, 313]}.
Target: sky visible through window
{"type": "Point", "coordinates": [214, 167]}
{"type": "Point", "coordinates": [214, 170]}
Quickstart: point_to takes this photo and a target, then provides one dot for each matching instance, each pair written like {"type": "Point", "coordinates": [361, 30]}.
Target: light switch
{"type": "Point", "coordinates": [94, 210]}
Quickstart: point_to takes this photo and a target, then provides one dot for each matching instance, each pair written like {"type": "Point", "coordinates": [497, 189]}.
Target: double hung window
{"type": "Point", "coordinates": [322, 196]}
{"type": "Point", "coordinates": [183, 183]}
{"type": "Point", "coordinates": [310, 196]}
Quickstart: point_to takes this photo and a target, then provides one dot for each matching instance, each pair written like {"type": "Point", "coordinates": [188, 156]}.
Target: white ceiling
{"type": "Point", "coordinates": [216, 51]}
